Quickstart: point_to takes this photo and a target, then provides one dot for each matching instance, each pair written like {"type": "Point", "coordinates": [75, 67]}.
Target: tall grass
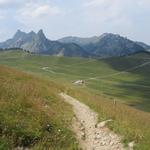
{"type": "Point", "coordinates": [31, 114]}
{"type": "Point", "coordinates": [132, 124]}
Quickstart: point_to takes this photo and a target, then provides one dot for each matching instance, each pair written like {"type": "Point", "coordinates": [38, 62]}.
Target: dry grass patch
{"type": "Point", "coordinates": [133, 124]}
{"type": "Point", "coordinates": [31, 114]}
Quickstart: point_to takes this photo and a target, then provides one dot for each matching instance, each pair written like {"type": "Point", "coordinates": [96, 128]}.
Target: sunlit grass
{"type": "Point", "coordinates": [133, 124]}
{"type": "Point", "coordinates": [130, 122]}
{"type": "Point", "coordinates": [31, 113]}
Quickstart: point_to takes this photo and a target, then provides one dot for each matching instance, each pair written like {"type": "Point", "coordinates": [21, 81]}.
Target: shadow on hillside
{"type": "Point", "coordinates": [139, 91]}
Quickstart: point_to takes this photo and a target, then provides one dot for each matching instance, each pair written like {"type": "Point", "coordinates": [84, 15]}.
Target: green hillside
{"type": "Point", "coordinates": [31, 113]}
{"type": "Point", "coordinates": [123, 78]}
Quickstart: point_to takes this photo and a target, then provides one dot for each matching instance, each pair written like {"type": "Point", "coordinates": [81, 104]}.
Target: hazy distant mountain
{"type": "Point", "coordinates": [78, 40]}
{"type": "Point", "coordinates": [106, 45]}
{"type": "Point", "coordinates": [147, 47]}
{"type": "Point", "coordinates": [98, 46]}
{"type": "Point", "coordinates": [39, 44]}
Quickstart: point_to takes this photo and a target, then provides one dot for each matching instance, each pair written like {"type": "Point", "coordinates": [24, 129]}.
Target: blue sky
{"type": "Point", "coordinates": [59, 18]}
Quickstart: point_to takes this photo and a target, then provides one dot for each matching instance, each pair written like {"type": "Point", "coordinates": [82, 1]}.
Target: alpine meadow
{"type": "Point", "coordinates": [77, 91]}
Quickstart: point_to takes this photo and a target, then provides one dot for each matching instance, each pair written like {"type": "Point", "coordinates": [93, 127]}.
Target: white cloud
{"type": "Point", "coordinates": [144, 2]}
{"type": "Point", "coordinates": [114, 10]}
{"type": "Point", "coordinates": [46, 10]}
{"type": "Point", "coordinates": [40, 14]}
{"type": "Point", "coordinates": [127, 17]}
{"type": "Point", "coordinates": [2, 17]}
{"type": "Point", "coordinates": [77, 17]}
{"type": "Point", "coordinates": [94, 3]}
{"type": "Point", "coordinates": [102, 10]}
{"type": "Point", "coordinates": [3, 14]}
{"type": "Point", "coordinates": [34, 10]}
{"type": "Point", "coordinates": [10, 3]}
{"type": "Point", "coordinates": [4, 2]}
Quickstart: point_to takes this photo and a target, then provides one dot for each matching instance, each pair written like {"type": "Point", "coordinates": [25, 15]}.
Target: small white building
{"type": "Point", "coordinates": [78, 82]}
{"type": "Point", "coordinates": [45, 68]}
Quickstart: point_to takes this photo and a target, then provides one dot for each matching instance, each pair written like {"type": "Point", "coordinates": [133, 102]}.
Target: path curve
{"type": "Point", "coordinates": [90, 135]}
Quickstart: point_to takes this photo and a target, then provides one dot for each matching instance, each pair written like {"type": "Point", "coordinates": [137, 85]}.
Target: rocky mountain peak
{"type": "Point", "coordinates": [41, 34]}
{"type": "Point", "coordinates": [32, 33]}
{"type": "Point", "coordinates": [19, 34]}
{"type": "Point", "coordinates": [106, 45]}
{"type": "Point", "coordinates": [110, 35]}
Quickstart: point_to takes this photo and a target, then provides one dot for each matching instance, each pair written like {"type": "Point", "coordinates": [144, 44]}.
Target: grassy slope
{"type": "Point", "coordinates": [99, 94]}
{"type": "Point", "coordinates": [31, 114]}
{"type": "Point", "coordinates": [65, 70]}
{"type": "Point", "coordinates": [133, 124]}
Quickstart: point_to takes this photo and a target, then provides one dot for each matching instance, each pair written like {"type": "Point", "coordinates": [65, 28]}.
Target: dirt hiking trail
{"type": "Point", "coordinates": [90, 135]}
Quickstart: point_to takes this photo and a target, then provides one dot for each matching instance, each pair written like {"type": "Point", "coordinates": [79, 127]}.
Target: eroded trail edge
{"type": "Point", "coordinates": [90, 135]}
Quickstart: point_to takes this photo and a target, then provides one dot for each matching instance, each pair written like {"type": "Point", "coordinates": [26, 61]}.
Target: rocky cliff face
{"type": "Point", "coordinates": [39, 44]}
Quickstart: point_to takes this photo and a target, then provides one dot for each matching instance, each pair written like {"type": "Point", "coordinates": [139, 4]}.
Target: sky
{"type": "Point", "coordinates": [84, 18]}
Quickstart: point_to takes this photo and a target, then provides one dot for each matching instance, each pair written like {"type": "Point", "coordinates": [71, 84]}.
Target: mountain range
{"type": "Point", "coordinates": [106, 45]}
{"type": "Point", "coordinates": [37, 43]}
